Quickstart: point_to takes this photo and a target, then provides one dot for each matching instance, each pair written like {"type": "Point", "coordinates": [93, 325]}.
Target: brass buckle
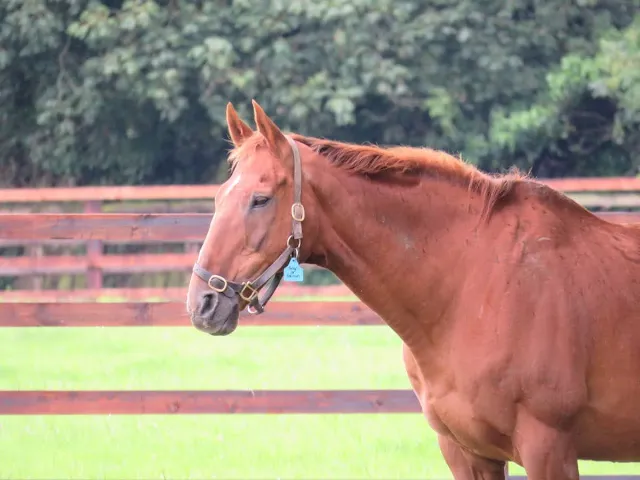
{"type": "Point", "coordinates": [247, 286]}
{"type": "Point", "coordinates": [297, 212]}
{"type": "Point", "coordinates": [218, 277]}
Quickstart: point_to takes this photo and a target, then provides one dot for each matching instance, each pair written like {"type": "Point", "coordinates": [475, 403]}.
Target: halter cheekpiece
{"type": "Point", "coordinates": [249, 291]}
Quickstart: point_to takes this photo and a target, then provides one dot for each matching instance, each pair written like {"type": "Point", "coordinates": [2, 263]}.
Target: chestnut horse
{"type": "Point", "coordinates": [517, 307]}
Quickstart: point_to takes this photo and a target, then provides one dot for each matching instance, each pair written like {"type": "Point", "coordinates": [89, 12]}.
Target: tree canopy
{"type": "Point", "coordinates": [134, 91]}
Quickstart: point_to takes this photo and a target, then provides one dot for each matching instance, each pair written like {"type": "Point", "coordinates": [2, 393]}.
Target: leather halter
{"type": "Point", "coordinates": [248, 291]}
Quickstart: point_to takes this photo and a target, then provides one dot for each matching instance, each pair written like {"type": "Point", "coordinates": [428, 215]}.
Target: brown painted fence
{"type": "Point", "coordinates": [172, 314]}
{"type": "Point", "coordinates": [188, 229]}
{"type": "Point", "coordinates": [83, 312]}
{"type": "Point", "coordinates": [105, 402]}
{"type": "Point", "coordinates": [78, 309]}
{"type": "Point", "coordinates": [124, 227]}
{"type": "Point", "coordinates": [80, 314]}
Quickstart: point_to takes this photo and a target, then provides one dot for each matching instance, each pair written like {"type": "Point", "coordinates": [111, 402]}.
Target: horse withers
{"type": "Point", "coordinates": [517, 307]}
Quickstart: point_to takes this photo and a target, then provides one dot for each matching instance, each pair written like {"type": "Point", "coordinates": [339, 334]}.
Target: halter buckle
{"type": "Point", "coordinates": [297, 212]}
{"type": "Point", "coordinates": [253, 292]}
{"type": "Point", "coordinates": [218, 289]}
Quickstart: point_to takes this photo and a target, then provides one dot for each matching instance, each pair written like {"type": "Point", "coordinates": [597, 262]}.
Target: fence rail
{"type": "Point", "coordinates": [173, 314]}
{"type": "Point", "coordinates": [151, 402]}
{"type": "Point", "coordinates": [122, 227]}
{"type": "Point", "coordinates": [201, 192]}
{"type": "Point", "coordinates": [173, 294]}
{"type": "Point", "coordinates": [110, 193]}
{"type": "Point", "coordinates": [125, 227]}
{"type": "Point", "coordinates": [76, 264]}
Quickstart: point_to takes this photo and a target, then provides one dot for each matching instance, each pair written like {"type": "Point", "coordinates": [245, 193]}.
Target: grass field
{"type": "Point", "coordinates": [225, 446]}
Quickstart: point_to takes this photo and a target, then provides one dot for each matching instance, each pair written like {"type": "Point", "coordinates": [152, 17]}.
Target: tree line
{"type": "Point", "coordinates": [134, 92]}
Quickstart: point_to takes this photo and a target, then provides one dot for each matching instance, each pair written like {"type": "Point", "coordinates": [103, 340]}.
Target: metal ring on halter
{"type": "Point", "coordinates": [251, 310]}
{"type": "Point", "coordinates": [222, 279]}
{"type": "Point", "coordinates": [292, 246]}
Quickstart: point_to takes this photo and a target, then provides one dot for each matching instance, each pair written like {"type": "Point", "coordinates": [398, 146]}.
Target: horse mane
{"type": "Point", "coordinates": [371, 160]}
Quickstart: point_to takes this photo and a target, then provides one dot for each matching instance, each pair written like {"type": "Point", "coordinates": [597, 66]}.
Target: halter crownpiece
{"type": "Point", "coordinates": [248, 291]}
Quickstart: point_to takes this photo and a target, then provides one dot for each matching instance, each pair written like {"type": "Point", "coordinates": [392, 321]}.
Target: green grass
{"type": "Point", "coordinates": [183, 358]}
{"type": "Point", "coordinates": [215, 446]}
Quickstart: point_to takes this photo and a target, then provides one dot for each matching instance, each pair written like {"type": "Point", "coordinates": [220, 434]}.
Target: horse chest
{"type": "Point", "coordinates": [480, 430]}
{"type": "Point", "coordinates": [481, 419]}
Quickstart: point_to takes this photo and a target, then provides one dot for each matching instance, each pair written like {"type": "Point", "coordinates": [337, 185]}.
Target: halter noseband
{"type": "Point", "coordinates": [248, 291]}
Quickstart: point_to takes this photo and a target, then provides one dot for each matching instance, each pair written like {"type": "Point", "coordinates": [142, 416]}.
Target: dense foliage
{"type": "Point", "coordinates": [134, 91]}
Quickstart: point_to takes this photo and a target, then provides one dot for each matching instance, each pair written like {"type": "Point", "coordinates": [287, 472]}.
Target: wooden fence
{"type": "Point", "coordinates": [46, 310]}
{"type": "Point", "coordinates": [78, 308]}
{"type": "Point", "coordinates": [82, 311]}
{"type": "Point", "coordinates": [171, 214]}
{"type": "Point", "coordinates": [79, 314]}
{"type": "Point", "coordinates": [97, 200]}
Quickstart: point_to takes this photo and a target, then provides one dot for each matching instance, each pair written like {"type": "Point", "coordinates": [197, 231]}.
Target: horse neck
{"type": "Point", "coordinates": [399, 248]}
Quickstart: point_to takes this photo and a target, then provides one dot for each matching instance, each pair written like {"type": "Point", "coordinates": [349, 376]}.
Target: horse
{"type": "Point", "coordinates": [517, 307]}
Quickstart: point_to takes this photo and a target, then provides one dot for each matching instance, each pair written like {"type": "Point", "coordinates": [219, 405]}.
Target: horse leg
{"type": "Point", "coordinates": [546, 452]}
{"type": "Point", "coordinates": [466, 466]}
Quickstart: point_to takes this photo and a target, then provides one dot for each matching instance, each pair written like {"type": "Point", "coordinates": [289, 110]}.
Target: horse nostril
{"type": "Point", "coordinates": [208, 303]}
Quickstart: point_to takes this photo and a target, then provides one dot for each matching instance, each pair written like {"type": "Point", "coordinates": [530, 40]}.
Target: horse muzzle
{"type": "Point", "coordinates": [216, 313]}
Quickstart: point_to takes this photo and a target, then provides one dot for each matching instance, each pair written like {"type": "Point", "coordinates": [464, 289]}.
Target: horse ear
{"type": "Point", "coordinates": [238, 130]}
{"type": "Point", "coordinates": [275, 138]}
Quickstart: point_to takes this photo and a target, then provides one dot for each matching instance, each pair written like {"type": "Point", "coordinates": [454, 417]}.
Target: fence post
{"type": "Point", "coordinates": [94, 250]}
{"type": "Point", "coordinates": [34, 252]}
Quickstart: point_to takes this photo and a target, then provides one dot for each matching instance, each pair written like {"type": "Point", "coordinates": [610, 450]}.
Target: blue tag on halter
{"type": "Point", "coordinates": [293, 272]}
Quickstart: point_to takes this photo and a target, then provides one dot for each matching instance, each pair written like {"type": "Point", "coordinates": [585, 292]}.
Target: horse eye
{"type": "Point", "coordinates": [259, 201]}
